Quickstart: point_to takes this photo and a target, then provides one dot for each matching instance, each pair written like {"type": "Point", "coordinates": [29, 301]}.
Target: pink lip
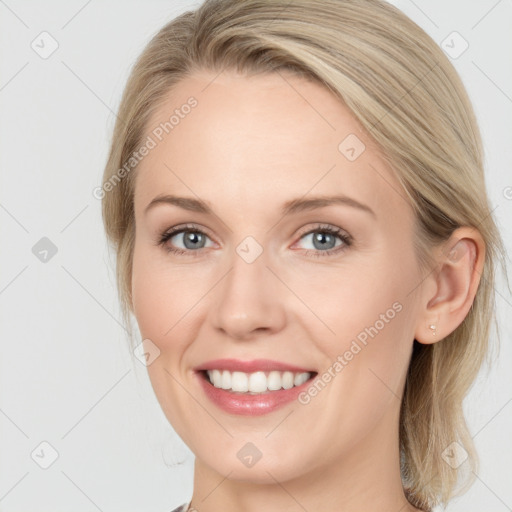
{"type": "Point", "coordinates": [246, 404]}
{"type": "Point", "coordinates": [262, 365]}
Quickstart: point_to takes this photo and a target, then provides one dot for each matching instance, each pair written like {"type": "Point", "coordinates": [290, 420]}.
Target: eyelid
{"type": "Point", "coordinates": [322, 226]}
{"type": "Point", "coordinates": [179, 228]}
{"type": "Point", "coordinates": [343, 235]}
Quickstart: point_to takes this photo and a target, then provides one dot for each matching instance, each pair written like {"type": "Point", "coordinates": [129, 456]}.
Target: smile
{"type": "Point", "coordinates": [257, 382]}
{"type": "Point", "coordinates": [252, 387]}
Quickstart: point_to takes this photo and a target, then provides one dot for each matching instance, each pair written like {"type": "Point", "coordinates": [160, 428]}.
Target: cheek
{"type": "Point", "coordinates": [148, 298]}
{"type": "Point", "coordinates": [347, 301]}
{"type": "Point", "coordinates": [368, 320]}
{"type": "Point", "coordinates": [163, 294]}
{"type": "Point", "coordinates": [163, 300]}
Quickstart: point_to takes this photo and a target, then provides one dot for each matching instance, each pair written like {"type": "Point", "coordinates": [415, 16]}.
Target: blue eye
{"type": "Point", "coordinates": [324, 240]}
{"type": "Point", "coordinates": [193, 239]}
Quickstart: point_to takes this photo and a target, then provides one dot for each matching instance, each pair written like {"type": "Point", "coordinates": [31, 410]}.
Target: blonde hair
{"type": "Point", "coordinates": [408, 96]}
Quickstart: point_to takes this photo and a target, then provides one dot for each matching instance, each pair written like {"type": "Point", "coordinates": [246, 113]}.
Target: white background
{"type": "Point", "coordinates": [67, 377]}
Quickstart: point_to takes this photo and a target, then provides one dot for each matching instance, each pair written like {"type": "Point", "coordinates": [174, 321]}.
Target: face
{"type": "Point", "coordinates": [253, 266]}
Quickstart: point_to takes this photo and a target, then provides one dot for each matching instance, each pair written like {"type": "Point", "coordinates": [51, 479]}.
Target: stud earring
{"type": "Point", "coordinates": [433, 328]}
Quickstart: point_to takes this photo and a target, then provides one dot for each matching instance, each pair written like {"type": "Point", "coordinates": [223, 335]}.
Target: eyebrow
{"type": "Point", "coordinates": [290, 207]}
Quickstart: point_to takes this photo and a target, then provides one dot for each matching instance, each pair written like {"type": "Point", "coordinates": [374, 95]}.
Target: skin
{"type": "Point", "coordinates": [250, 145]}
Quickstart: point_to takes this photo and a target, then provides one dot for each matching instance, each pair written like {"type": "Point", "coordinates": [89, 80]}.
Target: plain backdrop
{"type": "Point", "coordinates": [73, 397]}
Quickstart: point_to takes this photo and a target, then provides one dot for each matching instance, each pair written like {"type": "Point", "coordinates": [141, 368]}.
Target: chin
{"type": "Point", "coordinates": [265, 470]}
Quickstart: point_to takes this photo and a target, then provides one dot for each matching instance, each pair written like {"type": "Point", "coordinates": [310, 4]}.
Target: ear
{"type": "Point", "coordinates": [450, 289]}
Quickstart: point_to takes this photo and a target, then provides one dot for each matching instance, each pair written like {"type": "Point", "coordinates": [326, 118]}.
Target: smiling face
{"type": "Point", "coordinates": [265, 272]}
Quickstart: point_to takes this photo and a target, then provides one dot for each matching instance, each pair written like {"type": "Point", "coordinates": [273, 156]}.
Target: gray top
{"type": "Point", "coordinates": [181, 508]}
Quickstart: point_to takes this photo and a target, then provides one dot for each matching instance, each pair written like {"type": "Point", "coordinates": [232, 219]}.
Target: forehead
{"type": "Point", "coordinates": [265, 138]}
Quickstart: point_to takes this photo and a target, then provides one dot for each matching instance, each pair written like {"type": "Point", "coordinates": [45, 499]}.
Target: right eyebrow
{"type": "Point", "coordinates": [187, 203]}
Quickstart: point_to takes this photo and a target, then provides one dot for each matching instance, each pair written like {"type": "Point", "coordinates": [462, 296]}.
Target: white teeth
{"type": "Point", "coordinates": [216, 378]}
{"type": "Point", "coordinates": [274, 381]}
{"type": "Point", "coordinates": [300, 378]}
{"type": "Point", "coordinates": [287, 380]}
{"type": "Point", "coordinates": [226, 380]}
{"type": "Point", "coordinates": [257, 382]}
{"type": "Point", "coordinates": [239, 381]}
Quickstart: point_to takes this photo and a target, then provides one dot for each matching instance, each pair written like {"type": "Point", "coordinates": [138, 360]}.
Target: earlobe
{"type": "Point", "coordinates": [432, 327]}
{"type": "Point", "coordinates": [428, 334]}
{"type": "Point", "coordinates": [456, 280]}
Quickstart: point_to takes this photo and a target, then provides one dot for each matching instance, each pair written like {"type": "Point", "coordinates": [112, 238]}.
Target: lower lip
{"type": "Point", "coordinates": [250, 405]}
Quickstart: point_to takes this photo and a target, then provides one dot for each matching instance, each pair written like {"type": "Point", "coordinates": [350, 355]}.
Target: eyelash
{"type": "Point", "coordinates": [332, 230]}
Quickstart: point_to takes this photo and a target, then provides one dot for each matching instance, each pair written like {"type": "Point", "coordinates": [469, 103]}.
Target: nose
{"type": "Point", "coordinates": [249, 301]}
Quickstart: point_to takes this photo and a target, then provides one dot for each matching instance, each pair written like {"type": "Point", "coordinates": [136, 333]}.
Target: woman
{"type": "Point", "coordinates": [295, 193]}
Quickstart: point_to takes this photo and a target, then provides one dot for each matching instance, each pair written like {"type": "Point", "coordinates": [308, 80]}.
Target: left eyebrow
{"type": "Point", "coordinates": [300, 204]}
{"type": "Point", "coordinates": [290, 207]}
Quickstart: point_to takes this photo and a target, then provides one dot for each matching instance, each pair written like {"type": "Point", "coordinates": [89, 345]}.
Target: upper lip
{"type": "Point", "coordinates": [254, 365]}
